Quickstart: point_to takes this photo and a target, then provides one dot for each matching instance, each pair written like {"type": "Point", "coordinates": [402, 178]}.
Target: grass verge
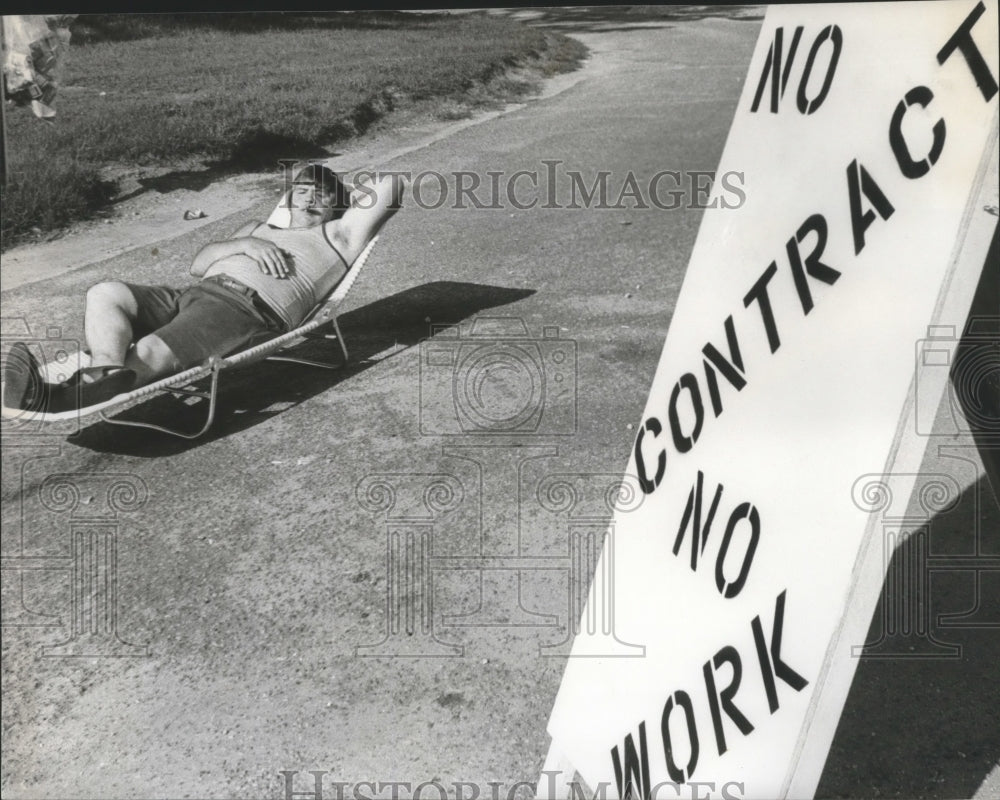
{"type": "Point", "coordinates": [238, 92]}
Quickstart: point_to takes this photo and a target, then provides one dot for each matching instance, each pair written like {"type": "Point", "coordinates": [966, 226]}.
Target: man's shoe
{"type": "Point", "coordinates": [77, 393]}
{"type": "Point", "coordinates": [23, 387]}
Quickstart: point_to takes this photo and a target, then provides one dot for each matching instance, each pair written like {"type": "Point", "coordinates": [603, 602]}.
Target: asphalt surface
{"type": "Point", "coordinates": [251, 565]}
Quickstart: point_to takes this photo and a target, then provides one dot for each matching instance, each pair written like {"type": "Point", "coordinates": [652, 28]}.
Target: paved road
{"type": "Point", "coordinates": [252, 564]}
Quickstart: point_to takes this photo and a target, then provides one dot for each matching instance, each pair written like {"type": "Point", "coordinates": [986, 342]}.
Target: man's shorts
{"type": "Point", "coordinates": [217, 316]}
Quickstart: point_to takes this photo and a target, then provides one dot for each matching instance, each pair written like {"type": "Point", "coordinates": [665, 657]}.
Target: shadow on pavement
{"type": "Point", "coordinates": [253, 394]}
{"type": "Point", "coordinates": [925, 698]}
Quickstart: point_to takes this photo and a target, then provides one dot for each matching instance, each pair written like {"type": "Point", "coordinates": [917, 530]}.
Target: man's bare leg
{"type": "Point", "coordinates": [151, 359]}
{"type": "Point", "coordinates": [108, 323]}
{"type": "Point", "coordinates": [115, 365]}
{"type": "Point", "coordinates": [110, 313]}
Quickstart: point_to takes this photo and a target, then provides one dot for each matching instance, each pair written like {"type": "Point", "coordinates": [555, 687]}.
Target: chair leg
{"type": "Point", "coordinates": [340, 337]}
{"type": "Point", "coordinates": [321, 364]}
{"type": "Point", "coordinates": [211, 395]}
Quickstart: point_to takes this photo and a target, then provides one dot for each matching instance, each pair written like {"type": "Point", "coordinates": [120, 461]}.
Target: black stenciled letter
{"type": "Point", "coordinates": [813, 266]}
{"type": "Point", "coordinates": [651, 425]}
{"type": "Point", "coordinates": [683, 700]}
{"type": "Point", "coordinates": [626, 778]}
{"type": "Point", "coordinates": [732, 369]}
{"type": "Point", "coordinates": [759, 293]}
{"type": "Point", "coordinates": [774, 666]}
{"type": "Point", "coordinates": [860, 182]}
{"type": "Point", "coordinates": [692, 515]}
{"type": "Point", "coordinates": [962, 40]}
{"type": "Point", "coordinates": [772, 67]}
{"type": "Point", "coordinates": [681, 442]}
{"type": "Point", "coordinates": [730, 655]}
{"type": "Point", "coordinates": [742, 511]}
{"type": "Point", "coordinates": [805, 105]}
{"type": "Point", "coordinates": [917, 96]}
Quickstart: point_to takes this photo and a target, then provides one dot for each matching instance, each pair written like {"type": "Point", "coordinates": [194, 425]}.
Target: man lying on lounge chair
{"type": "Point", "coordinates": [254, 286]}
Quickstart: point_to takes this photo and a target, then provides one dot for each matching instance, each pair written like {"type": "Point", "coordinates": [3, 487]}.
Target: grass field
{"type": "Point", "coordinates": [240, 91]}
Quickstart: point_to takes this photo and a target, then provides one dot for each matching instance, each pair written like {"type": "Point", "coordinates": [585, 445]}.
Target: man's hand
{"type": "Point", "coordinates": [270, 258]}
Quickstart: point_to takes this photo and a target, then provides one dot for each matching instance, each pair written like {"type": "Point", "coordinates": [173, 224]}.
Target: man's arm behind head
{"type": "Point", "coordinates": [376, 197]}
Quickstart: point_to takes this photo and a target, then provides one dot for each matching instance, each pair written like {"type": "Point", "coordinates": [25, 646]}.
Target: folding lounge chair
{"type": "Point", "coordinates": [180, 384]}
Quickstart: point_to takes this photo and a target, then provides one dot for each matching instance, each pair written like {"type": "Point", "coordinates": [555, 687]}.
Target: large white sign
{"type": "Point", "coordinates": [865, 133]}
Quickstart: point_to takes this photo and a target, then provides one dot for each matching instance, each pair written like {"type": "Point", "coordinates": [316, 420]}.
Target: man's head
{"type": "Point", "coordinates": [317, 196]}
